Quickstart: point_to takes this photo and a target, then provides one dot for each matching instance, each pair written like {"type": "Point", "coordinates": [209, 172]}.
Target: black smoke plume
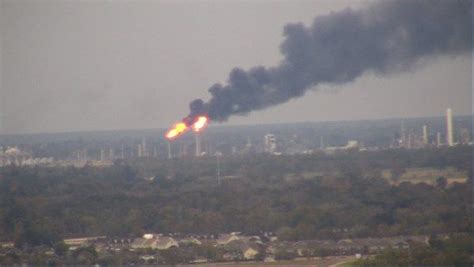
{"type": "Point", "coordinates": [386, 37]}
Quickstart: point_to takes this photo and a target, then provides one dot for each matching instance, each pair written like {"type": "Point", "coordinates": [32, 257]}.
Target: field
{"type": "Point", "coordinates": [426, 175]}
{"type": "Point", "coordinates": [313, 261]}
{"type": "Point", "coordinates": [412, 175]}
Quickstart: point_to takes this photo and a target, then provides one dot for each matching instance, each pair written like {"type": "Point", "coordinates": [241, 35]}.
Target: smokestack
{"type": "Point", "coordinates": [84, 153]}
{"type": "Point", "coordinates": [169, 150]}
{"type": "Point", "coordinates": [269, 143]}
{"type": "Point", "coordinates": [438, 139]}
{"type": "Point", "coordinates": [449, 127]}
{"type": "Point", "coordinates": [139, 150]}
{"type": "Point", "coordinates": [385, 38]}
{"type": "Point", "coordinates": [198, 144]}
{"type": "Point", "coordinates": [102, 154]}
{"type": "Point", "coordinates": [425, 135]}
{"type": "Point", "coordinates": [144, 149]}
{"type": "Point", "coordinates": [111, 153]}
{"type": "Point", "coordinates": [218, 170]}
{"type": "Point", "coordinates": [403, 134]}
{"type": "Point", "coordinates": [410, 141]}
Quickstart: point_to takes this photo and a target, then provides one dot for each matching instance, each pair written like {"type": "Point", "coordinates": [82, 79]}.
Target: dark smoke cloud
{"type": "Point", "coordinates": [386, 37]}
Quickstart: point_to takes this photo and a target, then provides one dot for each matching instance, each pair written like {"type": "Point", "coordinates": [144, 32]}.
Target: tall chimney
{"type": "Point", "coordinates": [169, 150]}
{"type": "Point", "coordinates": [449, 127]}
{"type": "Point", "coordinates": [438, 139]}
{"type": "Point", "coordinates": [102, 154]}
{"type": "Point", "coordinates": [139, 150]}
{"type": "Point", "coordinates": [425, 135]}
{"type": "Point", "coordinates": [198, 144]}
{"type": "Point", "coordinates": [403, 134]}
{"type": "Point", "coordinates": [144, 149]}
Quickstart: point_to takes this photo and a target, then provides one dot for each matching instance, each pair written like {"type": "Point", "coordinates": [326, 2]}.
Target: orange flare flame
{"type": "Point", "coordinates": [200, 123]}
{"type": "Point", "coordinates": [178, 129]}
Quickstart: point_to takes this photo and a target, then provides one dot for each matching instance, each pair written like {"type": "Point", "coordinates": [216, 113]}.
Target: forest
{"type": "Point", "coordinates": [316, 196]}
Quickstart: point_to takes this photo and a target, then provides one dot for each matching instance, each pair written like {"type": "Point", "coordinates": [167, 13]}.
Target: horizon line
{"type": "Point", "coordinates": [223, 124]}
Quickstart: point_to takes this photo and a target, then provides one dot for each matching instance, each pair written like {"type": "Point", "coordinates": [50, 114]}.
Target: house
{"type": "Point", "coordinates": [273, 247]}
{"type": "Point", "coordinates": [165, 243]}
{"type": "Point", "coordinates": [112, 244]}
{"type": "Point", "coordinates": [142, 243]}
{"type": "Point", "coordinates": [154, 243]}
{"type": "Point", "coordinates": [375, 245]}
{"type": "Point", "coordinates": [147, 258]}
{"type": "Point", "coordinates": [249, 251]}
{"type": "Point", "coordinates": [269, 259]}
{"type": "Point", "coordinates": [254, 239]}
{"type": "Point", "coordinates": [225, 239]}
{"type": "Point", "coordinates": [423, 239]}
{"type": "Point", "coordinates": [6, 245]}
{"type": "Point", "coordinates": [241, 250]}
{"type": "Point", "coordinates": [191, 240]}
{"type": "Point", "coordinates": [74, 243]}
{"type": "Point", "coordinates": [231, 256]}
{"type": "Point", "coordinates": [401, 245]}
{"type": "Point", "coordinates": [200, 260]}
{"type": "Point", "coordinates": [348, 246]}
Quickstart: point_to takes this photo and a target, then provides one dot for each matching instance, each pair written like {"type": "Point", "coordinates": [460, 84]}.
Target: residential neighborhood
{"type": "Point", "coordinates": [201, 249]}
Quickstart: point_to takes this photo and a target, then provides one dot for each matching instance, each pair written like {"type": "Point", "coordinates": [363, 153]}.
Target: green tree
{"type": "Point", "coordinates": [61, 248]}
{"type": "Point", "coordinates": [441, 182]}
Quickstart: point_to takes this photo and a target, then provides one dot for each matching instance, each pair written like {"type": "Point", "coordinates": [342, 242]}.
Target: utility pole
{"type": "Point", "coordinates": [218, 171]}
{"type": "Point", "coordinates": [169, 150]}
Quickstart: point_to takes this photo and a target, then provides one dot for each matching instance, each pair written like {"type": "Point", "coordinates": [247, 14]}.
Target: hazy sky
{"type": "Point", "coordinates": [92, 65]}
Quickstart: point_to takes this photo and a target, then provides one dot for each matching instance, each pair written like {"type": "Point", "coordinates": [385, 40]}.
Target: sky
{"type": "Point", "coordinates": [102, 65]}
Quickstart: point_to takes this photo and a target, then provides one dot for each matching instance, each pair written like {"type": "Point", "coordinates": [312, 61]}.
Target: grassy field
{"type": "Point", "coordinates": [345, 263]}
{"type": "Point", "coordinates": [427, 175]}
{"type": "Point", "coordinates": [412, 175]}
{"type": "Point", "coordinates": [304, 175]}
{"type": "Point", "coordinates": [314, 261]}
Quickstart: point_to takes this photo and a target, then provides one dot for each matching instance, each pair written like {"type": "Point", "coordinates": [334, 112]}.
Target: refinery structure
{"type": "Point", "coordinates": [426, 138]}
{"type": "Point", "coordinates": [448, 131]}
{"type": "Point", "coordinates": [15, 156]}
{"type": "Point", "coordinates": [271, 143]}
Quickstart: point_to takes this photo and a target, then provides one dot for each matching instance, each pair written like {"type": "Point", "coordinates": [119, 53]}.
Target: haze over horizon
{"type": "Point", "coordinates": [80, 66]}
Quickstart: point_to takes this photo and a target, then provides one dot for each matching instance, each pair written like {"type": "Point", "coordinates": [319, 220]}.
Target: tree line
{"type": "Point", "coordinates": [344, 197]}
